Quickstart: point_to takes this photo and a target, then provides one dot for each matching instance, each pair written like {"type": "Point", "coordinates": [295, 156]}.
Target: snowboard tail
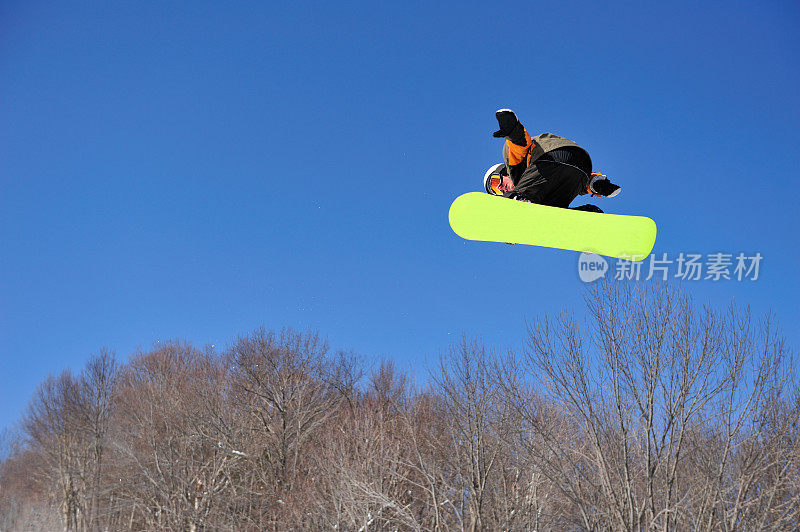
{"type": "Point", "coordinates": [479, 216]}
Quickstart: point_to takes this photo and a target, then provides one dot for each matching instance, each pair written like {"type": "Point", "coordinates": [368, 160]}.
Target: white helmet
{"type": "Point", "coordinates": [494, 176]}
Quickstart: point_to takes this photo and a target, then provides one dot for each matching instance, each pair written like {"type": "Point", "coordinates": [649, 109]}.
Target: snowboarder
{"type": "Point", "coordinates": [545, 169]}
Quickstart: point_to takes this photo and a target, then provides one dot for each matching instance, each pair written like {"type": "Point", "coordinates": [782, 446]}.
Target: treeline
{"type": "Point", "coordinates": [649, 413]}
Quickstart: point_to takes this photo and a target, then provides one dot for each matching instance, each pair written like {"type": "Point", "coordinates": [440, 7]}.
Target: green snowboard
{"type": "Point", "coordinates": [479, 216]}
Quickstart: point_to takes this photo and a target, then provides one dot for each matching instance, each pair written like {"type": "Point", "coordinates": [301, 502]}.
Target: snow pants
{"type": "Point", "coordinates": [551, 183]}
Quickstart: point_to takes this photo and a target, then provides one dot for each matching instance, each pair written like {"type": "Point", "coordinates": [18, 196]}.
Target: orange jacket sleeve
{"type": "Point", "coordinates": [517, 153]}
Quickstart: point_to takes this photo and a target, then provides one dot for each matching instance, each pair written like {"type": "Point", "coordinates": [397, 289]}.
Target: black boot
{"type": "Point", "coordinates": [604, 187]}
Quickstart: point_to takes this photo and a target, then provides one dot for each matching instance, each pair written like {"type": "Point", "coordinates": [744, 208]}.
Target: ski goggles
{"type": "Point", "coordinates": [495, 180]}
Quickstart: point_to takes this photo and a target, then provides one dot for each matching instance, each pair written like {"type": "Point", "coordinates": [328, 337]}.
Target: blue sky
{"type": "Point", "coordinates": [196, 170]}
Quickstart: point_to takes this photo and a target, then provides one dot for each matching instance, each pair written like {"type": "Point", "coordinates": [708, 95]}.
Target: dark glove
{"type": "Point", "coordinates": [510, 127]}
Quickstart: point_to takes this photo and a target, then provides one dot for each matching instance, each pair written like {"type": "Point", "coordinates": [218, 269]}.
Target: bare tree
{"type": "Point", "coordinates": [24, 503]}
{"type": "Point", "coordinates": [280, 383]}
{"type": "Point", "coordinates": [51, 428]}
{"type": "Point", "coordinates": [172, 474]}
{"type": "Point", "coordinates": [93, 407]}
{"type": "Point", "coordinates": [478, 414]}
{"type": "Point", "coordinates": [649, 414]}
{"type": "Point", "coordinates": [365, 477]}
{"type": "Point", "coordinates": [66, 425]}
{"type": "Point", "coordinates": [636, 388]}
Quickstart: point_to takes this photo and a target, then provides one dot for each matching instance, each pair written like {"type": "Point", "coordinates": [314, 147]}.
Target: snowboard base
{"type": "Point", "coordinates": [480, 216]}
